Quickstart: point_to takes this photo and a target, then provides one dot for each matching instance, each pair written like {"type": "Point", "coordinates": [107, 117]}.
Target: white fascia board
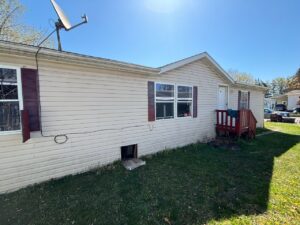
{"type": "Point", "coordinates": [294, 92]}
{"type": "Point", "coordinates": [250, 86]}
{"type": "Point", "coordinates": [189, 60]}
{"type": "Point", "coordinates": [180, 63]}
{"type": "Point", "coordinates": [69, 57]}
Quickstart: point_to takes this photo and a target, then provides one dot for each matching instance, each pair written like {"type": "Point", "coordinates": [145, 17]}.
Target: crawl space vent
{"type": "Point", "coordinates": [129, 157]}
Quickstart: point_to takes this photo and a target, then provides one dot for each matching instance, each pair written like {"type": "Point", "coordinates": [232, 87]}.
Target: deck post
{"type": "Point", "coordinates": [237, 125]}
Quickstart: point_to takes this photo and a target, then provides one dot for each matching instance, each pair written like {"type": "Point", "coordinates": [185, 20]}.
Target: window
{"type": "Point", "coordinates": [164, 98]}
{"type": "Point", "coordinates": [244, 100]}
{"type": "Point", "coordinates": [173, 101]}
{"type": "Point", "coordinates": [10, 104]}
{"type": "Point", "coordinates": [184, 101]}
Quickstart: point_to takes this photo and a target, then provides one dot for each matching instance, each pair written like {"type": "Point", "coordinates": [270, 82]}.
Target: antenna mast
{"type": "Point", "coordinates": [58, 26]}
{"type": "Point", "coordinates": [63, 22]}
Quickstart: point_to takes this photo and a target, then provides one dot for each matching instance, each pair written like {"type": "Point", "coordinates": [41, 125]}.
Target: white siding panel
{"type": "Point", "coordinates": [256, 103]}
{"type": "Point", "coordinates": [115, 105]}
{"type": "Point", "coordinates": [292, 101]}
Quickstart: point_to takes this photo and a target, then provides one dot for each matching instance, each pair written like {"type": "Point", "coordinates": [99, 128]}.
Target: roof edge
{"type": "Point", "coordinates": [52, 54]}
{"type": "Point", "coordinates": [70, 57]}
{"type": "Point", "coordinates": [192, 59]}
{"type": "Point", "coordinates": [250, 86]}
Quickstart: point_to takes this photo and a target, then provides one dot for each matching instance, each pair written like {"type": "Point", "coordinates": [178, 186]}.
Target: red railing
{"type": "Point", "coordinates": [252, 125]}
{"type": "Point", "coordinates": [236, 123]}
{"type": "Point", "coordinates": [225, 122]}
{"type": "Point", "coordinates": [243, 124]}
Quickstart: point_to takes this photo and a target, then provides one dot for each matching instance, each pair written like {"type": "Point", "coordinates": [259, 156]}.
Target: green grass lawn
{"type": "Point", "coordinates": [197, 184]}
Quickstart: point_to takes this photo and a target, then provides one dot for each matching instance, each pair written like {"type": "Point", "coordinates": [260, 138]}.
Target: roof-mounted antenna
{"type": "Point", "coordinates": [63, 22]}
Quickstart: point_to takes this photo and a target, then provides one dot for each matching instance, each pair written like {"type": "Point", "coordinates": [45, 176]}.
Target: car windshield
{"type": "Point", "coordinates": [280, 108]}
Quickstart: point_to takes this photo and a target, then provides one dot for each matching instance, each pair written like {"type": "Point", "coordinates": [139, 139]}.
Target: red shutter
{"type": "Point", "coordinates": [151, 101]}
{"type": "Point", "coordinates": [239, 100]}
{"type": "Point", "coordinates": [25, 125]}
{"type": "Point", "coordinates": [195, 102]}
{"type": "Point", "coordinates": [248, 99]}
{"type": "Point", "coordinates": [30, 87]}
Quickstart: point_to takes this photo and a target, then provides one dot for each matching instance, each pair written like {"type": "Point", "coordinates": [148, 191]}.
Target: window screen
{"type": "Point", "coordinates": [184, 101]}
{"type": "Point", "coordinates": [164, 101]}
{"type": "Point", "coordinates": [9, 100]}
{"type": "Point", "coordinates": [244, 100]}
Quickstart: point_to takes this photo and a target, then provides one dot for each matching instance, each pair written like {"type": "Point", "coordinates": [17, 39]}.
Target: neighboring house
{"type": "Point", "coordinates": [269, 103]}
{"type": "Point", "coordinates": [290, 99]}
{"type": "Point", "coordinates": [103, 105]}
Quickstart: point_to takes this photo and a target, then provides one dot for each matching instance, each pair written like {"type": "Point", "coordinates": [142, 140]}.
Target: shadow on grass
{"type": "Point", "coordinates": [262, 130]}
{"type": "Point", "coordinates": [190, 185]}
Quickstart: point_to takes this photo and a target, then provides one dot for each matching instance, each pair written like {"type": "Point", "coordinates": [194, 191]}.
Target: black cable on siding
{"type": "Point", "coordinates": [65, 136]}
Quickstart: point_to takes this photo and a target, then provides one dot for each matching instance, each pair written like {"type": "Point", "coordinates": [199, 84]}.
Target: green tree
{"type": "Point", "coordinates": [12, 27]}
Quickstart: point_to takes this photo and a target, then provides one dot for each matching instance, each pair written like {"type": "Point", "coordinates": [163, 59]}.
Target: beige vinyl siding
{"type": "Point", "coordinates": [256, 103]}
{"type": "Point", "coordinates": [80, 99]}
{"type": "Point", "coordinates": [292, 101]}
{"type": "Point", "coordinates": [84, 100]}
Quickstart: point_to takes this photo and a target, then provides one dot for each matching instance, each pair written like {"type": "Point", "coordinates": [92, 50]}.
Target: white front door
{"type": "Point", "coordinates": [223, 98]}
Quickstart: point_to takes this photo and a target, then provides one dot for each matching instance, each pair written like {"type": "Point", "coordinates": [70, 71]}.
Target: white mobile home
{"type": "Point", "coordinates": [291, 99]}
{"type": "Point", "coordinates": [92, 107]}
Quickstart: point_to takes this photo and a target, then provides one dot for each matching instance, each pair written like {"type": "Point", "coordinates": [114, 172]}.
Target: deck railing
{"type": "Point", "coordinates": [252, 125]}
{"type": "Point", "coordinates": [237, 122]}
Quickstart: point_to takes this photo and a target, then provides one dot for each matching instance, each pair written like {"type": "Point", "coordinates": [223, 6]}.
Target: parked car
{"type": "Point", "coordinates": [267, 113]}
{"type": "Point", "coordinates": [281, 109]}
{"type": "Point", "coordinates": [275, 117]}
{"type": "Point", "coordinates": [296, 110]}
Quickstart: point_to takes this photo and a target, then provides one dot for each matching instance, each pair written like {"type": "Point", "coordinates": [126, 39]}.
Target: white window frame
{"type": "Point", "coordinates": [184, 100]}
{"type": "Point", "coordinates": [248, 104]}
{"type": "Point", "coordinates": [20, 97]}
{"type": "Point", "coordinates": [166, 100]}
{"type": "Point", "coordinates": [174, 100]}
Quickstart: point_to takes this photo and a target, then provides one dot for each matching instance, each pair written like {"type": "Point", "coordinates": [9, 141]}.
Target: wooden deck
{"type": "Point", "coordinates": [236, 123]}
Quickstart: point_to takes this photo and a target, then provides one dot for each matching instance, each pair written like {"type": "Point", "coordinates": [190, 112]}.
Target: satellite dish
{"type": "Point", "coordinates": [62, 16]}
{"type": "Point", "coordinates": [63, 22]}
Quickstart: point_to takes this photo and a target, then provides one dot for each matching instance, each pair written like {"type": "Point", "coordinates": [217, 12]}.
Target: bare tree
{"type": "Point", "coordinates": [13, 29]}
{"type": "Point", "coordinates": [242, 76]}
{"type": "Point", "coordinates": [279, 85]}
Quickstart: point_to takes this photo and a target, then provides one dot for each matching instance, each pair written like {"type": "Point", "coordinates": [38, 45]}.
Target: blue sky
{"type": "Point", "coordinates": [254, 36]}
